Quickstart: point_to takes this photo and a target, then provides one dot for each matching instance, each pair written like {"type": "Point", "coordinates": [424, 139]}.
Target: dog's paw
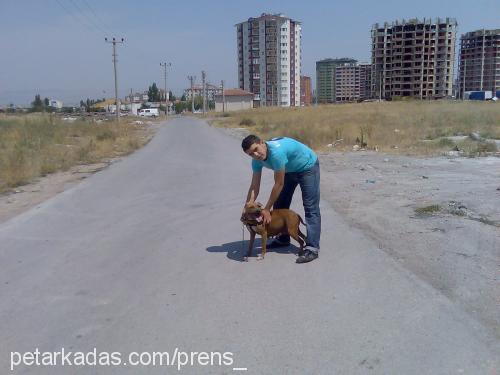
{"type": "Point", "coordinates": [245, 259]}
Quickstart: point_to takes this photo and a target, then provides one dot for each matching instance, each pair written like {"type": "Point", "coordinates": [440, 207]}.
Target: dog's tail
{"type": "Point", "coordinates": [300, 219]}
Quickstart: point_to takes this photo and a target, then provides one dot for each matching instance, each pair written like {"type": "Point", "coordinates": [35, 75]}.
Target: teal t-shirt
{"type": "Point", "coordinates": [288, 154]}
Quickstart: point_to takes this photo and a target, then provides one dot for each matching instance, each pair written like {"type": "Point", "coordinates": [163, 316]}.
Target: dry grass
{"type": "Point", "coordinates": [36, 145]}
{"type": "Point", "coordinates": [388, 126]}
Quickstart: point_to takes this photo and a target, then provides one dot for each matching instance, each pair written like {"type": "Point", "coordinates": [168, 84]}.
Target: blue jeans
{"type": "Point", "coordinates": [309, 185]}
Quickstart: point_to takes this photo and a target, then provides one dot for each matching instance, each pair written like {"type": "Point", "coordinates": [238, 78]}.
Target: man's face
{"type": "Point", "coordinates": [257, 151]}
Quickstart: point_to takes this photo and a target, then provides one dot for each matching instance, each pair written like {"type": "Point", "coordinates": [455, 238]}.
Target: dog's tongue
{"type": "Point", "coordinates": [259, 219]}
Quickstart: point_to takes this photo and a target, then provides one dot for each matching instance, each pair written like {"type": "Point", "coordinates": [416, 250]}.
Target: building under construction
{"type": "Point", "coordinates": [413, 58]}
{"type": "Point", "coordinates": [479, 61]}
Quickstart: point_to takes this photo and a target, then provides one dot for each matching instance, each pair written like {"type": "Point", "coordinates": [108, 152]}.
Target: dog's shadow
{"type": "Point", "coordinates": [237, 250]}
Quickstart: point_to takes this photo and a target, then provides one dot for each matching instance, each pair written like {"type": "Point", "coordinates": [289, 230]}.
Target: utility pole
{"type": "Point", "coordinates": [192, 79]}
{"type": "Point", "coordinates": [204, 89]}
{"type": "Point", "coordinates": [117, 101]}
{"type": "Point", "coordinates": [223, 97]}
{"type": "Point", "coordinates": [165, 64]}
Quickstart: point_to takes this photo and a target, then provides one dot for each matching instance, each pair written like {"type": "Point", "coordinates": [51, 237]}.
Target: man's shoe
{"type": "Point", "coordinates": [275, 243]}
{"type": "Point", "coordinates": [307, 257]}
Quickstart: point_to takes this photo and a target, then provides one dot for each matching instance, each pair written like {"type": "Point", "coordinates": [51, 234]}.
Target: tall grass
{"type": "Point", "coordinates": [388, 126]}
{"type": "Point", "coordinates": [35, 145]}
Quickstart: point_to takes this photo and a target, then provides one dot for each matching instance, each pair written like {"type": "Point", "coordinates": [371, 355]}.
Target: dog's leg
{"type": "Point", "coordinates": [264, 244]}
{"type": "Point", "coordinates": [250, 245]}
{"type": "Point", "coordinates": [298, 236]}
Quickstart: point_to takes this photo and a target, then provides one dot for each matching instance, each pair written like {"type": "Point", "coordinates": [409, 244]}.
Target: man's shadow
{"type": "Point", "coordinates": [237, 250]}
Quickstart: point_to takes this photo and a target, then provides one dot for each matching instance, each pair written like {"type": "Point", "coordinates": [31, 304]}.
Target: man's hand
{"type": "Point", "coordinates": [266, 216]}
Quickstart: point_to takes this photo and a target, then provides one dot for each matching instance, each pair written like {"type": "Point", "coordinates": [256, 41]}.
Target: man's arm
{"type": "Point", "coordinates": [255, 185]}
{"type": "Point", "coordinates": [279, 181]}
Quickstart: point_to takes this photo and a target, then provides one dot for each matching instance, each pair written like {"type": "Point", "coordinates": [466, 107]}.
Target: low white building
{"type": "Point", "coordinates": [55, 103]}
{"type": "Point", "coordinates": [234, 100]}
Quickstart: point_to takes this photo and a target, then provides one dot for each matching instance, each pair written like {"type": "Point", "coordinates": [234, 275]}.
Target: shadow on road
{"type": "Point", "coordinates": [236, 250]}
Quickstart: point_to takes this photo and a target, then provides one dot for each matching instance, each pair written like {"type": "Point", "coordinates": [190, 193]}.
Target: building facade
{"type": "Point", "coordinates": [269, 59]}
{"type": "Point", "coordinates": [413, 58]}
{"type": "Point", "coordinates": [212, 91]}
{"type": "Point", "coordinates": [233, 100]}
{"type": "Point", "coordinates": [305, 91]}
{"type": "Point", "coordinates": [352, 82]}
{"type": "Point", "coordinates": [479, 62]}
{"type": "Point", "coordinates": [325, 78]}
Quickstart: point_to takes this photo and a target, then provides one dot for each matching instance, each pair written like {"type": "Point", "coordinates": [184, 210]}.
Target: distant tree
{"type": "Point", "coordinates": [180, 107]}
{"type": "Point", "coordinates": [153, 93]}
{"type": "Point", "coordinates": [46, 102]}
{"type": "Point", "coordinates": [171, 96]}
{"type": "Point", "coordinates": [183, 98]}
{"type": "Point", "coordinates": [37, 104]}
{"type": "Point", "coordinates": [198, 102]}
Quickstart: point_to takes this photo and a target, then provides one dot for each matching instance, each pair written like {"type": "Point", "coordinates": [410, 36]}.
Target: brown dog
{"type": "Point", "coordinates": [283, 221]}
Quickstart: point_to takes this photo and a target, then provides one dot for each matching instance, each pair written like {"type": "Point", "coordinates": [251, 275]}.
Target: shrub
{"type": "Point", "coordinates": [247, 122]}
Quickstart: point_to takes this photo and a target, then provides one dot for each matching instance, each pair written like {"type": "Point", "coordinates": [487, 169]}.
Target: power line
{"type": "Point", "coordinates": [77, 19]}
{"type": "Point", "coordinates": [86, 17]}
{"type": "Point", "coordinates": [97, 17]}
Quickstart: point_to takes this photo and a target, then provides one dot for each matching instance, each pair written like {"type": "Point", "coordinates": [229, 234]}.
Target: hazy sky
{"type": "Point", "coordinates": [56, 47]}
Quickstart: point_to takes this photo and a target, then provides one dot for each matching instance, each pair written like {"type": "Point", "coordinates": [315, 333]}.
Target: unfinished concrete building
{"type": "Point", "coordinates": [413, 58]}
{"type": "Point", "coordinates": [352, 82]}
{"type": "Point", "coordinates": [269, 59]}
{"type": "Point", "coordinates": [479, 68]}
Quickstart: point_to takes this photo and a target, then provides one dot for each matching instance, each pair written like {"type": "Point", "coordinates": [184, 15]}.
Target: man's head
{"type": "Point", "coordinates": [255, 147]}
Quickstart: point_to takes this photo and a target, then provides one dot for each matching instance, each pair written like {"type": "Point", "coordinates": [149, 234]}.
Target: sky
{"type": "Point", "coordinates": [56, 48]}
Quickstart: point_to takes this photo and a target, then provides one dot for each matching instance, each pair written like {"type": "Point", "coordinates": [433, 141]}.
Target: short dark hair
{"type": "Point", "coordinates": [249, 141]}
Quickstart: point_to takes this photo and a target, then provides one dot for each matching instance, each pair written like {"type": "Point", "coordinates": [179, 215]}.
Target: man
{"type": "Point", "coordinates": [293, 164]}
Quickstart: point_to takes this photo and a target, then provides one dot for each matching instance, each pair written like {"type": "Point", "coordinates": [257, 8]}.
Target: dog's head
{"type": "Point", "coordinates": [252, 211]}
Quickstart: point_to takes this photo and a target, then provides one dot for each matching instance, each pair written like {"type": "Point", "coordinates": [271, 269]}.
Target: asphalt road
{"type": "Point", "coordinates": [145, 256]}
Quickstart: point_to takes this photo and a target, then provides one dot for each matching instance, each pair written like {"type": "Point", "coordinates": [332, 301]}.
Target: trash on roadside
{"type": "Point", "coordinates": [370, 181]}
{"type": "Point", "coordinates": [425, 177]}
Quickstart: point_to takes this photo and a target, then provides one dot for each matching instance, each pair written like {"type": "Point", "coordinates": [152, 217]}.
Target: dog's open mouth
{"type": "Point", "coordinates": [252, 217]}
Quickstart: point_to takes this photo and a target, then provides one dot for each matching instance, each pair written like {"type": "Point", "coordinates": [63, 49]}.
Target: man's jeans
{"type": "Point", "coordinates": [309, 185]}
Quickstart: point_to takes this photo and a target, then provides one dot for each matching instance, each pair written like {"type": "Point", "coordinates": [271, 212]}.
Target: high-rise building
{"type": "Point", "coordinates": [479, 67]}
{"type": "Point", "coordinates": [413, 58]}
{"type": "Point", "coordinates": [352, 82]}
{"type": "Point", "coordinates": [325, 78]}
{"type": "Point", "coordinates": [305, 90]}
{"type": "Point", "coordinates": [269, 59]}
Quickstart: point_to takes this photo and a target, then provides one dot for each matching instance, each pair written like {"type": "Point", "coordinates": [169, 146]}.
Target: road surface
{"type": "Point", "coordinates": [145, 257]}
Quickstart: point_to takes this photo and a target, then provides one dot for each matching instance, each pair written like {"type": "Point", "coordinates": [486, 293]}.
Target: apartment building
{"type": "Point", "coordinates": [479, 62]}
{"type": "Point", "coordinates": [352, 82]}
{"type": "Point", "coordinates": [305, 90]}
{"type": "Point", "coordinates": [413, 58]}
{"type": "Point", "coordinates": [325, 78]}
{"type": "Point", "coordinates": [211, 91]}
{"type": "Point", "coordinates": [269, 59]}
